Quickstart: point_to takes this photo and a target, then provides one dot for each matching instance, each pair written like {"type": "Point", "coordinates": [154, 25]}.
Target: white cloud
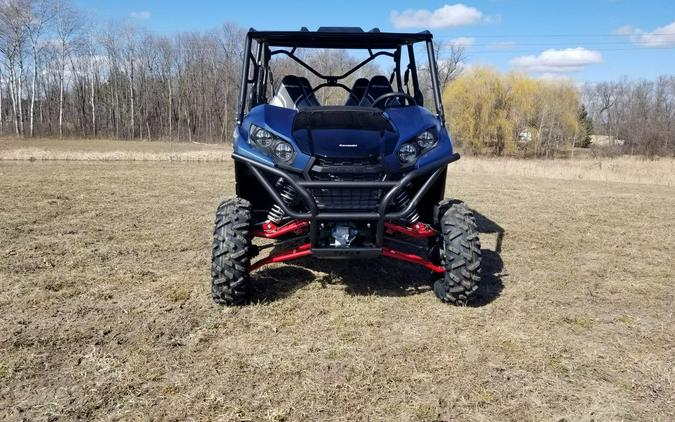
{"type": "Point", "coordinates": [142, 15]}
{"type": "Point", "coordinates": [660, 37]}
{"type": "Point", "coordinates": [444, 17]}
{"type": "Point", "coordinates": [462, 42]}
{"type": "Point", "coordinates": [663, 36]}
{"type": "Point", "coordinates": [626, 30]}
{"type": "Point", "coordinates": [558, 61]}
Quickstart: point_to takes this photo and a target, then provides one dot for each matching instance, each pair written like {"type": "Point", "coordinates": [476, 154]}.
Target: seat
{"type": "Point", "coordinates": [378, 86]}
{"type": "Point", "coordinates": [309, 92]}
{"type": "Point", "coordinates": [358, 89]}
{"type": "Point", "coordinates": [295, 93]}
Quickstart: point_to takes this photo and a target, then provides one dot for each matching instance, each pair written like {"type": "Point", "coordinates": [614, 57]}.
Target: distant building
{"type": "Point", "coordinates": [525, 136]}
{"type": "Point", "coordinates": [604, 140]}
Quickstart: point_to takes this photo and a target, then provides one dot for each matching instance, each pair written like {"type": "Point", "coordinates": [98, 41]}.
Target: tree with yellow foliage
{"type": "Point", "coordinates": [505, 114]}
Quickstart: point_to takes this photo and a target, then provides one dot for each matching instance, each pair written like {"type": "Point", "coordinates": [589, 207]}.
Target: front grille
{"type": "Point", "coordinates": [347, 199]}
{"type": "Point", "coordinates": [350, 170]}
{"type": "Point", "coordinates": [347, 169]}
{"type": "Point", "coordinates": [340, 162]}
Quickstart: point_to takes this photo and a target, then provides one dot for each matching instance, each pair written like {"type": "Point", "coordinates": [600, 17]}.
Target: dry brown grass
{"type": "Point", "coordinates": [108, 150]}
{"type": "Point", "coordinates": [106, 312]}
{"type": "Point", "coordinates": [622, 169]}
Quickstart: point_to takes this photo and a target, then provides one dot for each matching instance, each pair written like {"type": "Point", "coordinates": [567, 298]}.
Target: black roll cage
{"type": "Point", "coordinates": [333, 38]}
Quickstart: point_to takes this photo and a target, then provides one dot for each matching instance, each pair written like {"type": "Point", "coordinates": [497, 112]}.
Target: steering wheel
{"type": "Point", "coordinates": [386, 98]}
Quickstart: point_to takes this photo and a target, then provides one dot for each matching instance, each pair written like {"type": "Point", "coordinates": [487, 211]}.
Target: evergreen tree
{"type": "Point", "coordinates": [586, 128]}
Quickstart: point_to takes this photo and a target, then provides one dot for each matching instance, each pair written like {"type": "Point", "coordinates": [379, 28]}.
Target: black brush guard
{"type": "Point", "coordinates": [314, 215]}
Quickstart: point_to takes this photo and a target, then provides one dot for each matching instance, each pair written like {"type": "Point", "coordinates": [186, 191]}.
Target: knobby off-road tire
{"type": "Point", "coordinates": [460, 254]}
{"type": "Point", "coordinates": [232, 252]}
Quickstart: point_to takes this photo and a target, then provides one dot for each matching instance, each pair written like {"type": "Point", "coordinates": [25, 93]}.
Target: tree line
{"type": "Point", "coordinates": [492, 113]}
{"type": "Point", "coordinates": [64, 75]}
{"type": "Point", "coordinates": [636, 116]}
{"type": "Point", "coordinates": [61, 75]}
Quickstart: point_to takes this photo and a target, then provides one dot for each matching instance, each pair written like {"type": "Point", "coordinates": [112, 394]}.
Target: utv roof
{"type": "Point", "coordinates": [338, 37]}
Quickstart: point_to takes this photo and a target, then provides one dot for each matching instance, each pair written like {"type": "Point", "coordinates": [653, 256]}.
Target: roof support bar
{"type": "Point", "coordinates": [352, 70]}
{"type": "Point", "coordinates": [244, 80]}
{"type": "Point", "coordinates": [417, 94]}
{"type": "Point", "coordinates": [434, 75]}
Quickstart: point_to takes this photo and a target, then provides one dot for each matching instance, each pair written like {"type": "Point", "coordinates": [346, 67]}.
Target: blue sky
{"type": "Point", "coordinates": [586, 40]}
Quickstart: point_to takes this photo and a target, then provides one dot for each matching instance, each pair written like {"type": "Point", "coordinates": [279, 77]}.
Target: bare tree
{"type": "Point", "coordinates": [167, 60]}
{"type": "Point", "coordinates": [636, 114]}
{"type": "Point", "coordinates": [34, 16]}
{"type": "Point", "coordinates": [233, 52]}
{"type": "Point", "coordinates": [130, 46]}
{"type": "Point", "coordinates": [111, 44]}
{"type": "Point", "coordinates": [68, 24]}
{"type": "Point", "coordinates": [450, 59]}
{"type": "Point", "coordinates": [12, 46]}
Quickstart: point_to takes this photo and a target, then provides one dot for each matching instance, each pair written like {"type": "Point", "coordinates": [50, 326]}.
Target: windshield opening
{"type": "Point", "coordinates": [298, 78]}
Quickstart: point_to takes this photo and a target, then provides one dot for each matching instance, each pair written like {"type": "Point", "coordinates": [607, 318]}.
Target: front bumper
{"type": "Point", "coordinates": [315, 216]}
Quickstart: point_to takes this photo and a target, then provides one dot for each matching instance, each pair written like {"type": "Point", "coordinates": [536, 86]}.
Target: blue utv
{"type": "Point", "coordinates": [361, 179]}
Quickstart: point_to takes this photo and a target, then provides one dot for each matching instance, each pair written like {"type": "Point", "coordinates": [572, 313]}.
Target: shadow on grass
{"type": "Point", "coordinates": [490, 286]}
{"type": "Point", "coordinates": [270, 284]}
{"type": "Point", "coordinates": [380, 276]}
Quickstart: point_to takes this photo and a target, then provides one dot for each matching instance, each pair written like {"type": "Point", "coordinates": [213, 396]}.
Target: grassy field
{"type": "Point", "coordinates": [109, 150]}
{"type": "Point", "coordinates": [622, 169]}
{"type": "Point", "coordinates": [106, 309]}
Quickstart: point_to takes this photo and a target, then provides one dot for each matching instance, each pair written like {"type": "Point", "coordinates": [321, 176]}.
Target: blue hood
{"type": "Point", "coordinates": [344, 132]}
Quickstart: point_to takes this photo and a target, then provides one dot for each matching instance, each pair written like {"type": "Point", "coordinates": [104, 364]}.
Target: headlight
{"type": "Point", "coordinates": [284, 151]}
{"type": "Point", "coordinates": [407, 153]}
{"type": "Point", "coordinates": [426, 139]}
{"type": "Point", "coordinates": [411, 150]}
{"type": "Point", "coordinates": [262, 138]}
{"type": "Point", "coordinates": [269, 143]}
